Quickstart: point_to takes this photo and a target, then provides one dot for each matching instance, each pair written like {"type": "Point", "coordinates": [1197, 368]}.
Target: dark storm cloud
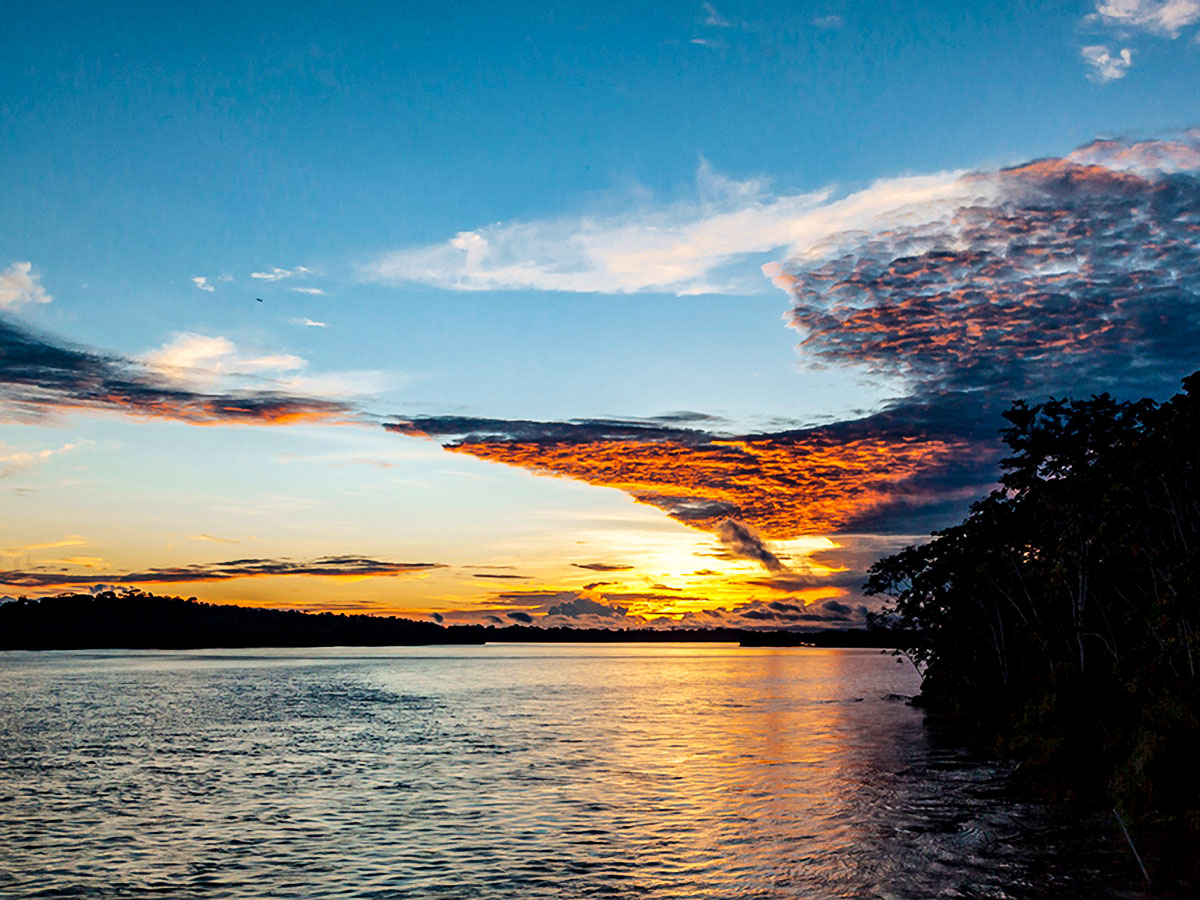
{"type": "Point", "coordinates": [329, 566]}
{"type": "Point", "coordinates": [40, 376]}
{"type": "Point", "coordinates": [523, 617]}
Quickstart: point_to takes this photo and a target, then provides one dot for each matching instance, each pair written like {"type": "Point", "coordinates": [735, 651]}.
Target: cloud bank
{"type": "Point", "coordinates": [40, 376]}
{"type": "Point", "coordinates": [328, 567]}
{"type": "Point", "coordinates": [892, 466]}
{"type": "Point", "coordinates": [1062, 275]}
{"type": "Point", "coordinates": [1083, 274]}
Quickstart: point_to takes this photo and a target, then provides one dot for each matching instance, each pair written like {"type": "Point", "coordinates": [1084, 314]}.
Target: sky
{"type": "Point", "coordinates": [666, 315]}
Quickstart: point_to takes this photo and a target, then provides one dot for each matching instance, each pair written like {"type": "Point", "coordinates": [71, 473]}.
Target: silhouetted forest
{"type": "Point", "coordinates": [138, 620]}
{"type": "Point", "coordinates": [1058, 622]}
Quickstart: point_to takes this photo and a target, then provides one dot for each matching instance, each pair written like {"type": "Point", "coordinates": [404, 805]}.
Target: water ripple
{"type": "Point", "coordinates": [510, 772]}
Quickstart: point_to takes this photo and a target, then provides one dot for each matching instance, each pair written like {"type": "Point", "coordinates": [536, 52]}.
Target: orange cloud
{"type": "Point", "coordinates": [783, 486]}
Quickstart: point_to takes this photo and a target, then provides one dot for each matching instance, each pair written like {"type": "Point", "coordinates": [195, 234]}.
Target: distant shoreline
{"type": "Point", "coordinates": [149, 622]}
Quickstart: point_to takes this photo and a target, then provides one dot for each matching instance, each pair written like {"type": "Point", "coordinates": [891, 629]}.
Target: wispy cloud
{"type": "Point", "coordinates": [71, 540]}
{"type": "Point", "coordinates": [828, 23]}
{"type": "Point", "coordinates": [714, 19]}
{"type": "Point", "coordinates": [1162, 17]}
{"type": "Point", "coordinates": [308, 290]}
{"type": "Point", "coordinates": [201, 282]}
{"type": "Point", "coordinates": [13, 460]}
{"type": "Point", "coordinates": [308, 323]}
{"type": "Point", "coordinates": [20, 285]}
{"type": "Point", "coordinates": [277, 274]}
{"type": "Point", "coordinates": [329, 567]}
{"type": "Point", "coordinates": [702, 246]}
{"type": "Point", "coordinates": [1106, 67]}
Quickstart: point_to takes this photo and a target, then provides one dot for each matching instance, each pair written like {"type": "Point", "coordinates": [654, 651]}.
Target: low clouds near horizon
{"type": "Point", "coordinates": [327, 567]}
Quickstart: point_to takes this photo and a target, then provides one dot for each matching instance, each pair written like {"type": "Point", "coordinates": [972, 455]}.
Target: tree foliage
{"type": "Point", "coordinates": [1059, 619]}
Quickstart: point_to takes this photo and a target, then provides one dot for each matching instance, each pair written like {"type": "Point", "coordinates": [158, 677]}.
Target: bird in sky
{"type": "Point", "coordinates": [259, 299]}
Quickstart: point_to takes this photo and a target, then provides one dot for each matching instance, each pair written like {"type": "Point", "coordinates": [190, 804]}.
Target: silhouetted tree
{"type": "Point", "coordinates": [1058, 620]}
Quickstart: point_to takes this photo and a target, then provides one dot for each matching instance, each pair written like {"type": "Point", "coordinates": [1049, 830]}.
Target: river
{"type": "Point", "coordinates": [511, 771]}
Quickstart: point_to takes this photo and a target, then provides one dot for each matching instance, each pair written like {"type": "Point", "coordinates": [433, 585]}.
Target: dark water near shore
{"type": "Point", "coordinates": [510, 771]}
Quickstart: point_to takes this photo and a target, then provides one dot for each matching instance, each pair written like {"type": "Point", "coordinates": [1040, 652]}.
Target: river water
{"type": "Point", "coordinates": [510, 771]}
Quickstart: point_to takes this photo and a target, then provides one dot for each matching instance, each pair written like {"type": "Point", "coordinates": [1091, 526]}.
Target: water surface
{"type": "Point", "coordinates": [510, 771]}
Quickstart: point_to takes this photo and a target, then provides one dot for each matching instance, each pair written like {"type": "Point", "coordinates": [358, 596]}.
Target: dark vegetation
{"type": "Point", "coordinates": [138, 620]}
{"type": "Point", "coordinates": [1057, 623]}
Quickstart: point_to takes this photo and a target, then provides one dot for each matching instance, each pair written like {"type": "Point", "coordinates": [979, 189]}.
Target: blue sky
{"type": "Point", "coordinates": [339, 151]}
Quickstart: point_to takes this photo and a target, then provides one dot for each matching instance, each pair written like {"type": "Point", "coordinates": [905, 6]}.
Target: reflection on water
{"type": "Point", "coordinates": [509, 771]}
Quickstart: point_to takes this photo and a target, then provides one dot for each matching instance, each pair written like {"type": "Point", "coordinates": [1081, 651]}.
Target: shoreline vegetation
{"type": "Point", "coordinates": [142, 621]}
{"type": "Point", "coordinates": [1056, 625]}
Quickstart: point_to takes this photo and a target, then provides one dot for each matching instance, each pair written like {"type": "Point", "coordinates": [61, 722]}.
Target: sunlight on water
{"type": "Point", "coordinates": [508, 771]}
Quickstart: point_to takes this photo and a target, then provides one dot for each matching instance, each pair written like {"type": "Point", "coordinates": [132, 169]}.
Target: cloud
{"type": "Point", "coordinates": [743, 542]}
{"type": "Point", "coordinates": [1065, 275]}
{"type": "Point", "coordinates": [308, 290]}
{"type": "Point", "coordinates": [828, 613]}
{"type": "Point", "coordinates": [13, 460]}
{"type": "Point", "coordinates": [705, 245]}
{"type": "Point", "coordinates": [329, 567]}
{"type": "Point", "coordinates": [213, 540]}
{"type": "Point", "coordinates": [585, 606]}
{"type": "Point", "coordinates": [1081, 274]}
{"type": "Point", "coordinates": [40, 376]}
{"type": "Point", "coordinates": [714, 19]}
{"type": "Point", "coordinates": [20, 285]}
{"type": "Point", "coordinates": [587, 609]}
{"type": "Point", "coordinates": [893, 468]}
{"type": "Point", "coordinates": [828, 23]}
{"type": "Point", "coordinates": [72, 540]}
{"type": "Point", "coordinates": [278, 274]}
{"type": "Point", "coordinates": [203, 359]}
{"type": "Point", "coordinates": [308, 323]}
{"type": "Point", "coordinates": [1060, 275]}
{"type": "Point", "coordinates": [1162, 17]}
{"type": "Point", "coordinates": [574, 431]}
{"type": "Point", "coordinates": [202, 283]}
{"type": "Point", "coordinates": [1104, 66]}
